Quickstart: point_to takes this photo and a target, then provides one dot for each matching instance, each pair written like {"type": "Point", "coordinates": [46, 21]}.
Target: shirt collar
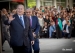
{"type": "Point", "coordinates": [53, 24]}
{"type": "Point", "coordinates": [30, 17]}
{"type": "Point", "coordinates": [20, 16]}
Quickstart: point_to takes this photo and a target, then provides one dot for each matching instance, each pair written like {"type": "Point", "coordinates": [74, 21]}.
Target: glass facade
{"type": "Point", "coordinates": [47, 3]}
{"type": "Point", "coordinates": [31, 3]}
{"type": "Point", "coordinates": [51, 2]}
{"type": "Point", "coordinates": [61, 2]}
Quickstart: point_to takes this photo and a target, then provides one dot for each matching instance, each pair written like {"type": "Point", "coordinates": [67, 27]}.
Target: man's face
{"type": "Point", "coordinates": [52, 23]}
{"type": "Point", "coordinates": [20, 10]}
{"type": "Point", "coordinates": [4, 11]}
{"type": "Point", "coordinates": [28, 13]}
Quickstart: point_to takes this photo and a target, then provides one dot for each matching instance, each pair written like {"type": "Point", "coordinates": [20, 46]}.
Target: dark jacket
{"type": "Point", "coordinates": [35, 25]}
{"type": "Point", "coordinates": [19, 35]}
{"type": "Point", "coordinates": [69, 28]}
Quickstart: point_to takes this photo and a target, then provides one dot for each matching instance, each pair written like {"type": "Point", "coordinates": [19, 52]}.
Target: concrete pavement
{"type": "Point", "coordinates": [51, 46]}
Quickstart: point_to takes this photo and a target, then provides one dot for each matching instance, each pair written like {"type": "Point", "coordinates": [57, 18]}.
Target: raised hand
{"type": "Point", "coordinates": [11, 17]}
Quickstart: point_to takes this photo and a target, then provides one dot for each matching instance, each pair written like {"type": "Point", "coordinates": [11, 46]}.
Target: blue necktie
{"type": "Point", "coordinates": [22, 22]}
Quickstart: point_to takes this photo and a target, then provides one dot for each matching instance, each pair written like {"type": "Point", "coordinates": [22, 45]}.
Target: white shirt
{"type": "Point", "coordinates": [64, 22]}
{"type": "Point", "coordinates": [31, 18]}
{"type": "Point", "coordinates": [67, 29]}
{"type": "Point", "coordinates": [41, 21]}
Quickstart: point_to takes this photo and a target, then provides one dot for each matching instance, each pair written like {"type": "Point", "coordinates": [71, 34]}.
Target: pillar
{"type": "Point", "coordinates": [55, 3]}
{"type": "Point", "coordinates": [38, 3]}
{"type": "Point", "coordinates": [25, 4]}
{"type": "Point", "coordinates": [71, 3]}
{"type": "Point", "coordinates": [67, 2]}
{"type": "Point", "coordinates": [42, 2]}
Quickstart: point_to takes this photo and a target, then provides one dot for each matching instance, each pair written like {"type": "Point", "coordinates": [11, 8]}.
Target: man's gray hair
{"type": "Point", "coordinates": [28, 9]}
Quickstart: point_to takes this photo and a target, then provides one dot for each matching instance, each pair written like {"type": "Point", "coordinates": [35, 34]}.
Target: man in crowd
{"type": "Point", "coordinates": [35, 26]}
{"type": "Point", "coordinates": [5, 28]}
{"type": "Point", "coordinates": [20, 31]}
{"type": "Point", "coordinates": [52, 30]}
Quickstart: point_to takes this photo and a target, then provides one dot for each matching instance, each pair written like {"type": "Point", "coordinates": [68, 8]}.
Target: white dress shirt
{"type": "Point", "coordinates": [67, 30]}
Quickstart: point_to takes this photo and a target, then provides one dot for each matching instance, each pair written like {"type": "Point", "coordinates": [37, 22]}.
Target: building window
{"type": "Point", "coordinates": [61, 3]}
{"type": "Point", "coordinates": [61, 0]}
{"type": "Point", "coordinates": [47, 2]}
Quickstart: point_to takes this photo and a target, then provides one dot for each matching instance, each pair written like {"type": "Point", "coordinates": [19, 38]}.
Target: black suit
{"type": "Point", "coordinates": [20, 36]}
{"type": "Point", "coordinates": [69, 29]}
{"type": "Point", "coordinates": [35, 28]}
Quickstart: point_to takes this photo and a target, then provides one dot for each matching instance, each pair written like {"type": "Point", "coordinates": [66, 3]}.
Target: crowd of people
{"type": "Point", "coordinates": [54, 22]}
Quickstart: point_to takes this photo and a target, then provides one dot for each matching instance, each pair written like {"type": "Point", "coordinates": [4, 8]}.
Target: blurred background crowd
{"type": "Point", "coordinates": [55, 22]}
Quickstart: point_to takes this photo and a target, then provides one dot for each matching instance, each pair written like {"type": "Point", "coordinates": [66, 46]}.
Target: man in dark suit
{"type": "Point", "coordinates": [5, 28]}
{"type": "Point", "coordinates": [67, 30]}
{"type": "Point", "coordinates": [20, 31]}
{"type": "Point", "coordinates": [35, 30]}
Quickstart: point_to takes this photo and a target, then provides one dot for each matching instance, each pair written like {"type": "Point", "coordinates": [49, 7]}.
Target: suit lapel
{"type": "Point", "coordinates": [18, 20]}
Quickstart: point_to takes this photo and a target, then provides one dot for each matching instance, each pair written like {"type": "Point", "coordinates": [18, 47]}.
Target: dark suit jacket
{"type": "Point", "coordinates": [19, 35]}
{"type": "Point", "coordinates": [69, 28]}
{"type": "Point", "coordinates": [35, 25]}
